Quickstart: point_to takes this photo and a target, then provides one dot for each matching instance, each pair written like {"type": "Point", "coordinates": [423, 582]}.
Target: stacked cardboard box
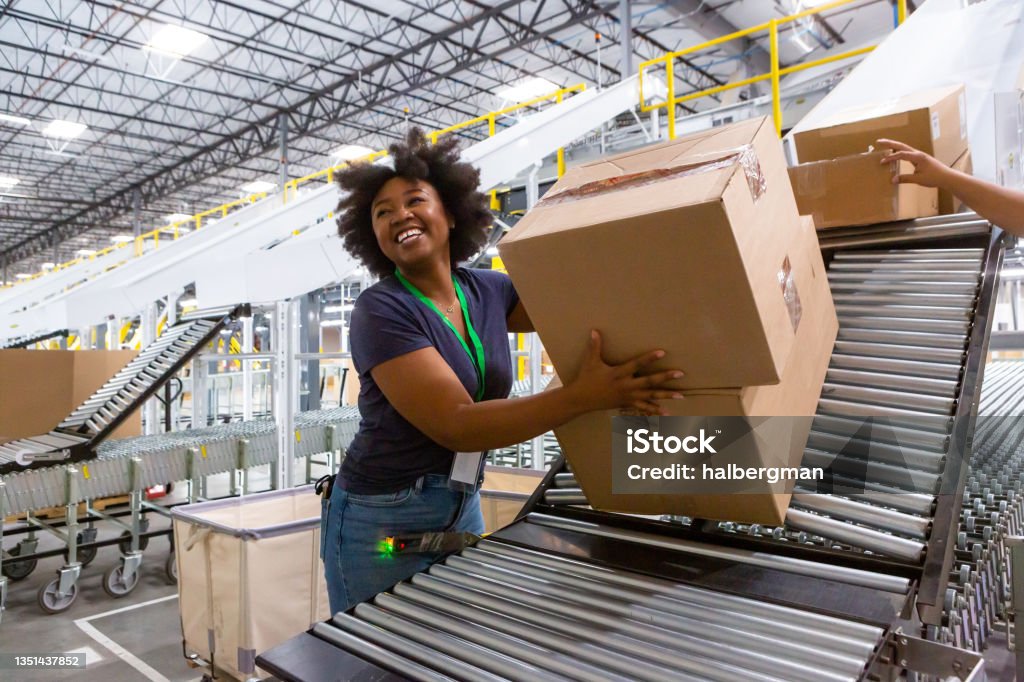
{"type": "Point", "coordinates": [696, 247]}
{"type": "Point", "coordinates": [841, 183]}
{"type": "Point", "coordinates": [38, 388]}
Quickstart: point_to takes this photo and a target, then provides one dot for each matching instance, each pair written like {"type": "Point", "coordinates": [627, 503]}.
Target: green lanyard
{"type": "Point", "coordinates": [476, 356]}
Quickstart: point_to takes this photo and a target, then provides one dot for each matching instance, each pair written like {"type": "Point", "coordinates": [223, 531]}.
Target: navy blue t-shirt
{"type": "Point", "coordinates": [388, 453]}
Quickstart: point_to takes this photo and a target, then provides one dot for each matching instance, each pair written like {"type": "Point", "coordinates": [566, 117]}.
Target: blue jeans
{"type": "Point", "coordinates": [352, 527]}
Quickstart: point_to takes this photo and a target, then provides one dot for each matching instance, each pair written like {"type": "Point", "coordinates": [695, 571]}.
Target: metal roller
{"type": "Point", "coordinates": [904, 338]}
{"type": "Point", "coordinates": [880, 519]}
{"type": "Point", "coordinates": [566, 480]}
{"type": "Point", "coordinates": [878, 320]}
{"type": "Point", "coordinates": [878, 451]}
{"type": "Point", "coordinates": [836, 275]}
{"type": "Point", "coordinates": [960, 316]}
{"type": "Point", "coordinates": [894, 351]}
{"type": "Point", "coordinates": [565, 496]}
{"type": "Point", "coordinates": [869, 539]}
{"type": "Point", "coordinates": [382, 657]}
{"type": "Point", "coordinates": [860, 469]}
{"type": "Point", "coordinates": [933, 370]}
{"type": "Point", "coordinates": [869, 397]}
{"type": "Point", "coordinates": [897, 233]}
{"type": "Point", "coordinates": [964, 302]}
{"type": "Point", "coordinates": [655, 609]}
{"type": "Point", "coordinates": [596, 627]}
{"type": "Point", "coordinates": [858, 409]}
{"type": "Point", "coordinates": [925, 287]}
{"type": "Point", "coordinates": [925, 433]}
{"type": "Point", "coordinates": [936, 264]}
{"type": "Point", "coordinates": [544, 648]}
{"type": "Point", "coordinates": [837, 634]}
{"type": "Point", "coordinates": [431, 658]}
{"type": "Point", "coordinates": [922, 385]}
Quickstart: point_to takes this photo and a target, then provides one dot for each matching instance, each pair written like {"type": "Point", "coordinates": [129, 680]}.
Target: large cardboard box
{"type": "Point", "coordinates": [587, 441]}
{"type": "Point", "coordinates": [858, 190]}
{"type": "Point", "coordinates": [934, 121]}
{"type": "Point", "coordinates": [38, 388]}
{"type": "Point", "coordinates": [948, 202]}
{"type": "Point", "coordinates": [682, 246]}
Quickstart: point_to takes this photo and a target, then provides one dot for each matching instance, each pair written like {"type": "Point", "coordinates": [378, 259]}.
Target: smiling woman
{"type": "Point", "coordinates": [430, 344]}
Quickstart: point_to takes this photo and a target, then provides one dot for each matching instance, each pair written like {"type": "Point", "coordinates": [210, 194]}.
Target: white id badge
{"type": "Point", "coordinates": [466, 467]}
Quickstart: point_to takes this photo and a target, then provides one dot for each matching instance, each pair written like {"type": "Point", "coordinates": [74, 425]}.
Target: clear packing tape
{"type": "Point", "coordinates": [744, 156]}
{"type": "Point", "coordinates": [787, 282]}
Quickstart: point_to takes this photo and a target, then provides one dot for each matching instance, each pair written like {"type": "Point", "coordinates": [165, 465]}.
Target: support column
{"type": "Point", "coordinates": [247, 347]}
{"type": "Point", "coordinates": [625, 36]}
{"type": "Point", "coordinates": [309, 342]}
{"type": "Point", "coordinates": [537, 444]}
{"type": "Point", "coordinates": [147, 331]}
{"type": "Point", "coordinates": [285, 341]}
{"type": "Point", "coordinates": [136, 212]}
{"type": "Point", "coordinates": [282, 129]}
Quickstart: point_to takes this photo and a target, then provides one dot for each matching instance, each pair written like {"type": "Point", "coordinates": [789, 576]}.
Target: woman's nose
{"type": "Point", "coordinates": [401, 215]}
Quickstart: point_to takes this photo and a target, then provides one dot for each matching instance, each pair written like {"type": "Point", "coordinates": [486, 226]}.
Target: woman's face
{"type": "Point", "coordinates": [410, 223]}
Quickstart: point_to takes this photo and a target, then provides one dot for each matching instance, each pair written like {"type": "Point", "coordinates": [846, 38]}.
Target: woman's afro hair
{"type": "Point", "coordinates": [415, 159]}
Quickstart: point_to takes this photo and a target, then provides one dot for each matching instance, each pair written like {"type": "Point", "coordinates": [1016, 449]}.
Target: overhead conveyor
{"type": "Point", "coordinates": [227, 261]}
{"type": "Point", "coordinates": [75, 439]}
{"type": "Point", "coordinates": [853, 586]}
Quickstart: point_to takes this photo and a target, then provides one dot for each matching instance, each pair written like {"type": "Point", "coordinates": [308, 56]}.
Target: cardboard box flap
{"type": "Point", "coordinates": [566, 211]}
{"type": "Point", "coordinates": [922, 99]}
{"type": "Point", "coordinates": [682, 166]}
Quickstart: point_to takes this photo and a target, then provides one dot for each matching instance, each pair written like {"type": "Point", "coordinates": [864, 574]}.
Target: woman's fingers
{"type": "Point", "coordinates": [650, 408]}
{"type": "Point", "coordinates": [893, 144]}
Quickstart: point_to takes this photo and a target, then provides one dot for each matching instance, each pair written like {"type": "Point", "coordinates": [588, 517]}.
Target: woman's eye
{"type": "Point", "coordinates": [383, 212]}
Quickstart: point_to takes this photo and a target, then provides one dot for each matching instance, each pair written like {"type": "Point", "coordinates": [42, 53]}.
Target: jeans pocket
{"type": "Point", "coordinates": [395, 499]}
{"type": "Point", "coordinates": [325, 517]}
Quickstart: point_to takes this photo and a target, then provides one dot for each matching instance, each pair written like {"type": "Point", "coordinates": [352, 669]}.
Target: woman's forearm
{"type": "Point", "coordinates": [999, 205]}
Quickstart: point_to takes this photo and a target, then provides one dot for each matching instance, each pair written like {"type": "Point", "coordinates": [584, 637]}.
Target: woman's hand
{"type": "Point", "coordinates": [928, 171]}
{"type": "Point", "coordinates": [600, 386]}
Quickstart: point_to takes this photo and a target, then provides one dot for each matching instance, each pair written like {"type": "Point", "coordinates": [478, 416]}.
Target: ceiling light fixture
{"type": "Point", "coordinates": [8, 181]}
{"type": "Point", "coordinates": [175, 41]}
{"type": "Point", "coordinates": [17, 120]}
{"type": "Point", "coordinates": [257, 186]}
{"type": "Point", "coordinates": [350, 152]}
{"type": "Point", "coordinates": [23, 275]}
{"type": "Point", "coordinates": [48, 266]}
{"type": "Point", "coordinates": [85, 252]}
{"type": "Point", "coordinates": [65, 130]}
{"type": "Point", "coordinates": [122, 238]}
{"type": "Point", "coordinates": [176, 217]}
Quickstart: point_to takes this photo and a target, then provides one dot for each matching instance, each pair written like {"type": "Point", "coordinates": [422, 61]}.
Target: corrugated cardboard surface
{"type": "Point", "coordinates": [586, 441]}
{"type": "Point", "coordinates": [933, 121]}
{"type": "Point", "coordinates": [858, 190]}
{"type": "Point", "coordinates": [948, 203]}
{"type": "Point", "coordinates": [687, 263]}
{"type": "Point", "coordinates": [38, 388]}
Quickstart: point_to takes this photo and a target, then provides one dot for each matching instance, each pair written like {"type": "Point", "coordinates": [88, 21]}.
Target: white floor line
{"type": "Point", "coordinates": [119, 651]}
{"type": "Point", "coordinates": [115, 648]}
{"type": "Point", "coordinates": [127, 608]}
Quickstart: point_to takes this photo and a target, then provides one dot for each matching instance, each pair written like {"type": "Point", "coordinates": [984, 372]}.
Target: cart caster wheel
{"type": "Point", "coordinates": [171, 569]}
{"type": "Point", "coordinates": [125, 545]}
{"type": "Point", "coordinates": [85, 556]}
{"type": "Point", "coordinates": [115, 585]}
{"type": "Point", "coordinates": [18, 570]}
{"type": "Point", "coordinates": [51, 602]}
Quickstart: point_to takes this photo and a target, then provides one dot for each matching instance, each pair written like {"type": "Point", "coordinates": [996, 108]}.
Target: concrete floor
{"type": "Point", "coordinates": [137, 638]}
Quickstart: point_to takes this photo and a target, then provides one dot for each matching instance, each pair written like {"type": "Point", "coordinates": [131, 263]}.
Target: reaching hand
{"type": "Point", "coordinates": [928, 171]}
{"type": "Point", "coordinates": [600, 386]}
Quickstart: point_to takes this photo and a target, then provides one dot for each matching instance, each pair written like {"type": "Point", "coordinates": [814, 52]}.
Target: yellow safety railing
{"type": "Point", "coordinates": [172, 231]}
{"type": "Point", "coordinates": [490, 118]}
{"type": "Point", "coordinates": [772, 27]}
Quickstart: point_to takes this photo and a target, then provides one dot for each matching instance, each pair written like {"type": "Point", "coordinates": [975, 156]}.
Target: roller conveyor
{"type": "Point", "coordinates": [76, 438]}
{"type": "Point", "coordinates": [830, 595]}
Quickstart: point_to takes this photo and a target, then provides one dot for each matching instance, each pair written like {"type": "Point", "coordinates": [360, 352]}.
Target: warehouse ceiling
{"type": "Point", "coordinates": [181, 126]}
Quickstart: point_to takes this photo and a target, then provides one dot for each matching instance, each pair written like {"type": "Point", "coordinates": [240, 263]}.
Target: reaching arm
{"type": "Point", "coordinates": [425, 390]}
{"type": "Point", "coordinates": [999, 205]}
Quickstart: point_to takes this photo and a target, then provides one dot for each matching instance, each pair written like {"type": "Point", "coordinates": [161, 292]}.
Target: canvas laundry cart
{"type": "Point", "coordinates": [249, 576]}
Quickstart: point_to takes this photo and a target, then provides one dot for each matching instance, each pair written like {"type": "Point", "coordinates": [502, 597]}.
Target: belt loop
{"type": "Point", "coordinates": [419, 484]}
